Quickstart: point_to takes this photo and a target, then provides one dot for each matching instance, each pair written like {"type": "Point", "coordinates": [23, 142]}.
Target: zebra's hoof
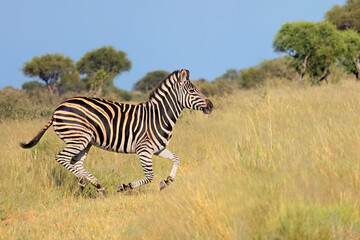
{"type": "Point", "coordinates": [121, 188]}
{"type": "Point", "coordinates": [101, 192]}
{"type": "Point", "coordinates": [81, 183]}
{"type": "Point", "coordinates": [81, 186]}
{"type": "Point", "coordinates": [124, 187]}
{"type": "Point", "coordinates": [162, 185]}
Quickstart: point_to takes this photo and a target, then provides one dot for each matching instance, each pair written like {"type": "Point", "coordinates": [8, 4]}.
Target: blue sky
{"type": "Point", "coordinates": [205, 36]}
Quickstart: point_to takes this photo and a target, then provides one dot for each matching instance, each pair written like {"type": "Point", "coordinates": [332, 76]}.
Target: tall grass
{"type": "Point", "coordinates": [277, 163]}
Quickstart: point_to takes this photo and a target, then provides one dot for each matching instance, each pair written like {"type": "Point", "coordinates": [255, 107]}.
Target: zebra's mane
{"type": "Point", "coordinates": [175, 75]}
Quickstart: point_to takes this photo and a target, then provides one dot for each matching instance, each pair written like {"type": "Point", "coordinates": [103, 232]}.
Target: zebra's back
{"type": "Point", "coordinates": [109, 125]}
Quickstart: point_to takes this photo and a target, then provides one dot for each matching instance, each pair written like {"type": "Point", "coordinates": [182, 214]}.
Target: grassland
{"type": "Point", "coordinates": [279, 163]}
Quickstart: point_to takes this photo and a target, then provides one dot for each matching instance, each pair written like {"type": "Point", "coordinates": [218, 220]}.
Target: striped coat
{"type": "Point", "coordinates": [144, 129]}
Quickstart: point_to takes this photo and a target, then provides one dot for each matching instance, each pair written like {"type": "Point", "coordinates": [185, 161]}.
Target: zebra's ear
{"type": "Point", "coordinates": [184, 75]}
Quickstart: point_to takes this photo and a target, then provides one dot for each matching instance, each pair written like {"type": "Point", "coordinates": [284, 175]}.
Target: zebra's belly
{"type": "Point", "coordinates": [131, 146]}
{"type": "Point", "coordinates": [115, 149]}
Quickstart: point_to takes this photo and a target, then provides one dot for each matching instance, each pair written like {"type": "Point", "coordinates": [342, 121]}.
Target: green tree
{"type": "Point", "coordinates": [351, 56]}
{"type": "Point", "coordinates": [98, 81]}
{"type": "Point", "coordinates": [150, 81]}
{"type": "Point", "coordinates": [49, 68]}
{"type": "Point", "coordinates": [101, 66]}
{"type": "Point", "coordinates": [346, 16]}
{"type": "Point", "coordinates": [298, 40]}
{"type": "Point", "coordinates": [313, 46]}
{"type": "Point", "coordinates": [329, 49]}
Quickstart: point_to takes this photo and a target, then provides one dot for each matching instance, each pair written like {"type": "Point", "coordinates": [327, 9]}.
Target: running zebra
{"type": "Point", "coordinates": [144, 129]}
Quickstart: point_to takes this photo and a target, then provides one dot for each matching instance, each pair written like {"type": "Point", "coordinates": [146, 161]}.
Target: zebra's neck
{"type": "Point", "coordinates": [165, 105]}
{"type": "Point", "coordinates": [166, 109]}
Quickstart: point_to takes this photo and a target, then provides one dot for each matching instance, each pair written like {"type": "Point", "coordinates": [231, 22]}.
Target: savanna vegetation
{"type": "Point", "coordinates": [282, 163]}
{"type": "Point", "coordinates": [277, 159]}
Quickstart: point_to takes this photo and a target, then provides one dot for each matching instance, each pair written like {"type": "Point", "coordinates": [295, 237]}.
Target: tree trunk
{"type": "Point", "coordinates": [324, 76]}
{"type": "Point", "coordinates": [50, 88]}
{"type": "Point", "coordinates": [301, 78]}
{"type": "Point", "coordinates": [302, 73]}
{"type": "Point", "coordinates": [97, 93]}
{"type": "Point", "coordinates": [357, 65]}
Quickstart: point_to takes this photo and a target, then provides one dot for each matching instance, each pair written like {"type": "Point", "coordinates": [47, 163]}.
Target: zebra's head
{"type": "Point", "coordinates": [190, 96]}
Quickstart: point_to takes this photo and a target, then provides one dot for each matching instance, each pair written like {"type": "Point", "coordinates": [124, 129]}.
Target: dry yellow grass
{"type": "Point", "coordinates": [277, 163]}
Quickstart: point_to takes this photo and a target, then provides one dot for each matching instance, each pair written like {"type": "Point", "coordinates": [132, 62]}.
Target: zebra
{"type": "Point", "coordinates": [144, 128]}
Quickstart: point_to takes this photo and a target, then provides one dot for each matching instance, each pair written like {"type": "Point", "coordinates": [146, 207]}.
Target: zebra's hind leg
{"type": "Point", "coordinates": [166, 153]}
{"type": "Point", "coordinates": [78, 162]}
{"type": "Point", "coordinates": [66, 157]}
{"type": "Point", "coordinates": [81, 182]}
{"type": "Point", "coordinates": [72, 154]}
{"type": "Point", "coordinates": [146, 163]}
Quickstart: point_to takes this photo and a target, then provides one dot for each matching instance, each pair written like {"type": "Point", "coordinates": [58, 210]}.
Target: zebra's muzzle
{"type": "Point", "coordinates": [209, 107]}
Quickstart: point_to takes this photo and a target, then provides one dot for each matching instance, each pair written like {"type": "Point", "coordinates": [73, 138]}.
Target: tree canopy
{"type": "Point", "coordinates": [313, 46]}
{"type": "Point", "coordinates": [298, 40]}
{"type": "Point", "coordinates": [49, 68]}
{"type": "Point", "coordinates": [351, 58]}
{"type": "Point", "coordinates": [105, 61]}
{"type": "Point", "coordinates": [71, 82]}
{"type": "Point", "coordinates": [106, 58]}
{"type": "Point", "coordinates": [346, 16]}
{"type": "Point", "coordinates": [150, 81]}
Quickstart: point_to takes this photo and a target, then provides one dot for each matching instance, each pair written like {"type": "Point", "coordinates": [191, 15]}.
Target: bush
{"type": "Point", "coordinates": [29, 104]}
{"type": "Point", "coordinates": [270, 72]}
{"type": "Point", "coordinates": [17, 104]}
{"type": "Point", "coordinates": [32, 85]}
{"type": "Point", "coordinates": [251, 77]}
{"type": "Point", "coordinates": [219, 87]}
{"type": "Point", "coordinates": [116, 94]}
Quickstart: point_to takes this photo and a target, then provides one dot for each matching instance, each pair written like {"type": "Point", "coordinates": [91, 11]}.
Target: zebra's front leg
{"type": "Point", "coordinates": [166, 153]}
{"type": "Point", "coordinates": [146, 163]}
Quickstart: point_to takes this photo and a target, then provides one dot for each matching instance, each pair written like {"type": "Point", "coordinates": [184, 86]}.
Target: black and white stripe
{"type": "Point", "coordinates": [144, 129]}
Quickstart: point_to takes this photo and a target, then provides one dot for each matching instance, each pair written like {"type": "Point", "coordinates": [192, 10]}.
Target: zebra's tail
{"type": "Point", "coordinates": [36, 139]}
